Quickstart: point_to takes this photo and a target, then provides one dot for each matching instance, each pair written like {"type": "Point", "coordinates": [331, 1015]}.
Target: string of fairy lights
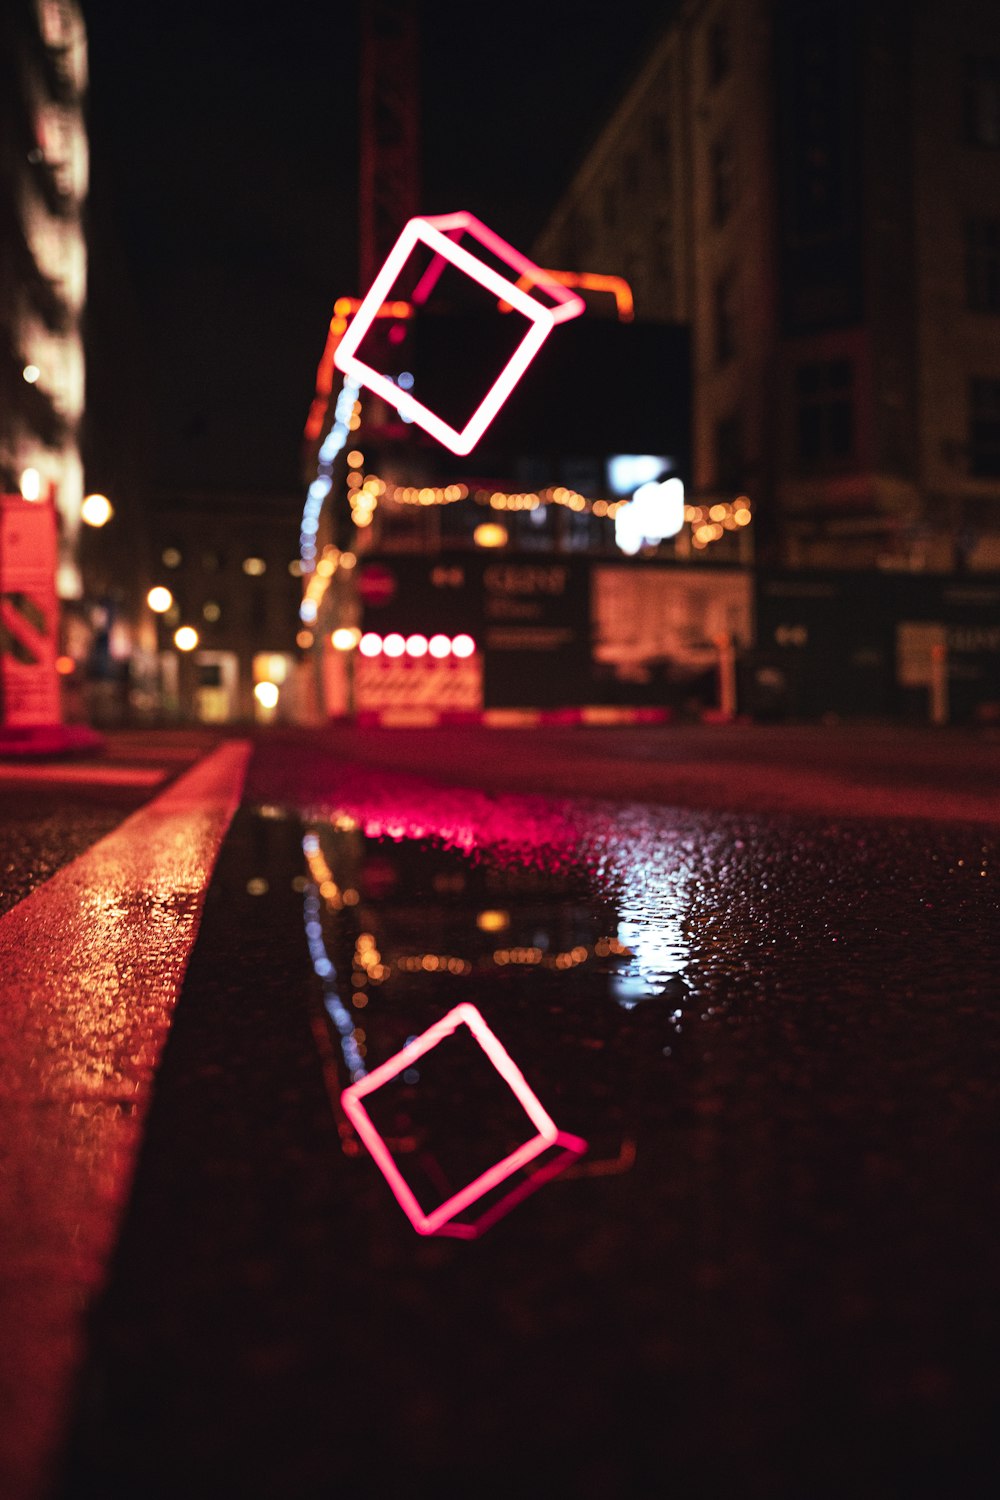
{"type": "Point", "coordinates": [367, 490]}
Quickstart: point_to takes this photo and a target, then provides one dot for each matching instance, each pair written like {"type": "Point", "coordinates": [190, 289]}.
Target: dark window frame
{"type": "Point", "coordinates": [718, 51]}
{"type": "Point", "coordinates": [728, 439]}
{"type": "Point", "coordinates": [981, 99]}
{"type": "Point", "coordinates": [984, 427]}
{"type": "Point", "coordinates": [982, 265]}
{"type": "Point", "coordinates": [722, 175]}
{"type": "Point", "coordinates": [724, 317]}
{"type": "Point", "coordinates": [825, 419]}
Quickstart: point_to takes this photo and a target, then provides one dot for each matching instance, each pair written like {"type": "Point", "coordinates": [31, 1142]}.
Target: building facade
{"type": "Point", "coordinates": [814, 186]}
{"type": "Point", "coordinates": [43, 261]}
{"type": "Point", "coordinates": [226, 618]}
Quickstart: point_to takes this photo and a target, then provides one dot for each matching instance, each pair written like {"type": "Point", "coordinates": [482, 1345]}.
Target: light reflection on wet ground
{"type": "Point", "coordinates": [774, 1270]}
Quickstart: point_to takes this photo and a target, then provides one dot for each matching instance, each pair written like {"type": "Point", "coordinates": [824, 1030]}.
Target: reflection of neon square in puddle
{"type": "Point", "coordinates": [468, 1047]}
{"type": "Point", "coordinates": [439, 235]}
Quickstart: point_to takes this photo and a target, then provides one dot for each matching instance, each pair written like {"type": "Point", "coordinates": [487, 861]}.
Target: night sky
{"type": "Point", "coordinates": [222, 214]}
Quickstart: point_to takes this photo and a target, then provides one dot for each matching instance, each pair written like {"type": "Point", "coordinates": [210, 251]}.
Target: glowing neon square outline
{"type": "Point", "coordinates": [546, 1132]}
{"type": "Point", "coordinates": [435, 231]}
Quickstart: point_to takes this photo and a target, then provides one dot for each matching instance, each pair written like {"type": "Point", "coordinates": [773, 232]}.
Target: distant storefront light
{"type": "Point", "coordinates": [254, 567]}
{"type": "Point", "coordinates": [416, 647]}
{"type": "Point", "coordinates": [269, 666]}
{"type": "Point", "coordinates": [267, 694]}
{"type": "Point", "coordinates": [159, 599]}
{"type": "Point", "coordinates": [96, 510]}
{"type": "Point", "coordinates": [493, 920]}
{"type": "Point", "coordinates": [490, 534]}
{"type": "Point", "coordinates": [31, 485]}
{"type": "Point", "coordinates": [345, 638]}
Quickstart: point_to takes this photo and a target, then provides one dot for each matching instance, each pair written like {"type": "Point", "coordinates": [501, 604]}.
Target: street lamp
{"type": "Point", "coordinates": [267, 694]}
{"type": "Point", "coordinates": [345, 638]}
{"type": "Point", "coordinates": [185, 638]}
{"type": "Point", "coordinates": [31, 484]}
{"type": "Point", "coordinates": [96, 510]}
{"type": "Point", "coordinates": [159, 599]}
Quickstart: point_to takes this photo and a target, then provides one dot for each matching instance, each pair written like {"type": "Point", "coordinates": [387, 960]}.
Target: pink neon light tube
{"type": "Point", "coordinates": [436, 234]}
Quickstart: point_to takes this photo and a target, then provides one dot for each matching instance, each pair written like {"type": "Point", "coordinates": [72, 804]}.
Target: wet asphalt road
{"type": "Point", "coordinates": [775, 1271]}
{"type": "Point", "coordinates": [52, 811]}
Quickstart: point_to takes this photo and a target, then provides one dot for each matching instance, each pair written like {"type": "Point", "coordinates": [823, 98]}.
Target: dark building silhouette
{"type": "Point", "coordinates": [43, 260]}
{"type": "Point", "coordinates": [814, 185]}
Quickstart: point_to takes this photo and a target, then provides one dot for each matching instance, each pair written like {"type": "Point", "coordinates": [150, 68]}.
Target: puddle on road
{"type": "Point", "coordinates": [564, 930]}
{"type": "Point", "coordinates": [650, 970]}
{"type": "Point", "coordinates": [401, 928]}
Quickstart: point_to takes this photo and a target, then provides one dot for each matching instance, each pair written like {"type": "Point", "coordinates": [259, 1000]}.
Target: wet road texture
{"type": "Point", "coordinates": [773, 1272]}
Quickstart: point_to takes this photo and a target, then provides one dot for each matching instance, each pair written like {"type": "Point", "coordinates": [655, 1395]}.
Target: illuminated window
{"type": "Point", "coordinates": [982, 265]}
{"type": "Point", "coordinates": [717, 57]}
{"type": "Point", "coordinates": [982, 101]}
{"type": "Point", "coordinates": [984, 428]}
{"type": "Point", "coordinates": [725, 318]}
{"type": "Point", "coordinates": [824, 391]}
{"type": "Point", "coordinates": [723, 179]}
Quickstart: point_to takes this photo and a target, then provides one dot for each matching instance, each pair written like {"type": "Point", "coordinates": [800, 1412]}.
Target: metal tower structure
{"type": "Point", "coordinates": [389, 107]}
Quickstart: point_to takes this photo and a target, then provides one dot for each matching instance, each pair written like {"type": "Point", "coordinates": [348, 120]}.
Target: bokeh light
{"type": "Point", "coordinates": [159, 599]}
{"type": "Point", "coordinates": [96, 510]}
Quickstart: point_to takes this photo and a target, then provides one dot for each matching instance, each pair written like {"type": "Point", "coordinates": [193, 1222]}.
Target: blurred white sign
{"type": "Point", "coordinates": [655, 512]}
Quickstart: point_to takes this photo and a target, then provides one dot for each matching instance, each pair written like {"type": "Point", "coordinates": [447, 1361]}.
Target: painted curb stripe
{"type": "Point", "coordinates": [75, 775]}
{"type": "Point", "coordinates": [91, 964]}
